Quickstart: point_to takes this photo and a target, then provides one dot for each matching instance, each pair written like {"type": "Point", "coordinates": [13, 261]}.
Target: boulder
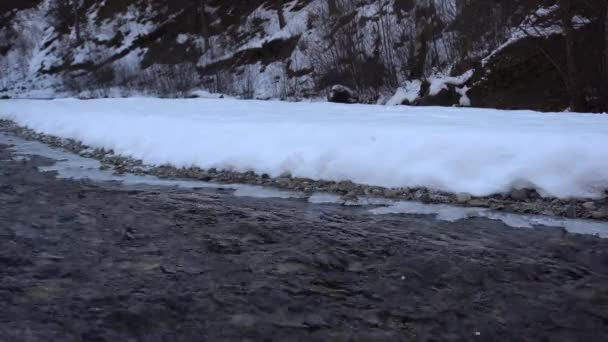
{"type": "Point", "coordinates": [519, 194]}
{"type": "Point", "coordinates": [342, 94]}
{"type": "Point", "coordinates": [445, 97]}
{"type": "Point", "coordinates": [463, 197]}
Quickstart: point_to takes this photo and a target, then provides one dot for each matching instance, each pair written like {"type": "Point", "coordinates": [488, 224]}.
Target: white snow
{"type": "Point", "coordinates": [440, 82]}
{"type": "Point", "coordinates": [464, 101]}
{"type": "Point", "coordinates": [204, 94]}
{"type": "Point", "coordinates": [479, 151]}
{"type": "Point", "coordinates": [580, 21]}
{"type": "Point", "coordinates": [182, 38]}
{"type": "Point", "coordinates": [408, 92]}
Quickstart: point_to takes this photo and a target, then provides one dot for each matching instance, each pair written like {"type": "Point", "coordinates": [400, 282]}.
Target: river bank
{"type": "Point", "coordinates": [98, 261]}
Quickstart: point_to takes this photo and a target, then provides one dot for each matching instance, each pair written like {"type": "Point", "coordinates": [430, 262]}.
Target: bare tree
{"type": "Point", "coordinates": [423, 13]}
{"type": "Point", "coordinates": [577, 95]}
{"type": "Point", "coordinates": [604, 23]}
{"type": "Point", "coordinates": [76, 8]}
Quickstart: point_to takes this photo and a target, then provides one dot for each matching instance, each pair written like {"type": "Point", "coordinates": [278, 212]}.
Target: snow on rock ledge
{"type": "Point", "coordinates": [477, 151]}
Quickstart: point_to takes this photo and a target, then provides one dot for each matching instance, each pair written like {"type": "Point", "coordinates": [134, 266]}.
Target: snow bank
{"type": "Point", "coordinates": [409, 93]}
{"type": "Point", "coordinates": [479, 151]}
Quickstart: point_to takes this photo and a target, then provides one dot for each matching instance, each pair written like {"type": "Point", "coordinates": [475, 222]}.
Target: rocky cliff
{"type": "Point", "coordinates": [504, 54]}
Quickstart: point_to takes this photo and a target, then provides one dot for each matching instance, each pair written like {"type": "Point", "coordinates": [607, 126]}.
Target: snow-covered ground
{"type": "Point", "coordinates": [479, 151]}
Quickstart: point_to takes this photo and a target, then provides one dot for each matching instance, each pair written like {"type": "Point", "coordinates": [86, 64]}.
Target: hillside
{"type": "Point", "coordinates": [440, 52]}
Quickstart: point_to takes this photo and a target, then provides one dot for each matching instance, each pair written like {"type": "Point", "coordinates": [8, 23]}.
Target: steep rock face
{"type": "Point", "coordinates": [270, 48]}
{"type": "Point", "coordinates": [521, 77]}
{"type": "Point", "coordinates": [530, 72]}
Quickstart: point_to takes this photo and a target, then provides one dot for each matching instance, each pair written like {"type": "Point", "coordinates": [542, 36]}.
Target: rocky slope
{"type": "Point", "coordinates": [295, 49]}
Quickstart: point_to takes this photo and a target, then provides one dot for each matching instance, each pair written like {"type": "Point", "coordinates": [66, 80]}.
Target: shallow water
{"type": "Point", "coordinates": [72, 166]}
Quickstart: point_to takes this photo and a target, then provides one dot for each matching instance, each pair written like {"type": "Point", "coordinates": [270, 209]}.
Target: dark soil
{"type": "Point", "coordinates": [100, 262]}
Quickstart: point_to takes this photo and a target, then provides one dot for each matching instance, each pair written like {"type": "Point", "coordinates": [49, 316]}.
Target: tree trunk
{"type": "Point", "coordinates": [575, 89]}
{"type": "Point", "coordinates": [76, 10]}
{"type": "Point", "coordinates": [204, 26]}
{"type": "Point", "coordinates": [604, 21]}
{"type": "Point", "coordinates": [332, 6]}
{"type": "Point", "coordinates": [424, 18]}
{"type": "Point", "coordinates": [280, 14]}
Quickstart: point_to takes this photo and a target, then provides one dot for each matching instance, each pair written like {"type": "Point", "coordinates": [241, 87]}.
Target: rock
{"type": "Point", "coordinates": [589, 205]}
{"type": "Point", "coordinates": [285, 174]}
{"type": "Point", "coordinates": [346, 186]}
{"type": "Point", "coordinates": [519, 194]}
{"type": "Point", "coordinates": [478, 203]}
{"type": "Point", "coordinates": [342, 94]}
{"type": "Point", "coordinates": [350, 197]}
{"type": "Point", "coordinates": [377, 192]}
{"type": "Point", "coordinates": [518, 77]}
{"type": "Point", "coordinates": [425, 198]}
{"type": "Point", "coordinates": [284, 182]}
{"type": "Point", "coordinates": [600, 214]}
{"type": "Point", "coordinates": [445, 97]}
{"type": "Point", "coordinates": [391, 193]}
{"type": "Point", "coordinates": [463, 197]}
{"type": "Point", "coordinates": [571, 211]}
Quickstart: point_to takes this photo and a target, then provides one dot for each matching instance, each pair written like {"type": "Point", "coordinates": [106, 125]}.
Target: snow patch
{"type": "Point", "coordinates": [464, 101]}
{"type": "Point", "coordinates": [182, 38]}
{"type": "Point", "coordinates": [478, 151]}
{"type": "Point", "coordinates": [439, 82]}
{"type": "Point", "coordinates": [409, 93]}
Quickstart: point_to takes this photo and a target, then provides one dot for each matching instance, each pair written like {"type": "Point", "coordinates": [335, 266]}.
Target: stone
{"type": "Point", "coordinates": [571, 211]}
{"type": "Point", "coordinates": [600, 214]}
{"type": "Point", "coordinates": [519, 194]}
{"type": "Point", "coordinates": [589, 205]}
{"type": "Point", "coordinates": [377, 192]}
{"type": "Point", "coordinates": [342, 94]}
{"type": "Point", "coordinates": [350, 197]}
{"type": "Point", "coordinates": [463, 197]}
{"type": "Point", "coordinates": [478, 203]}
{"type": "Point", "coordinates": [425, 198]}
{"type": "Point", "coordinates": [445, 97]}
{"type": "Point", "coordinates": [391, 193]}
{"type": "Point", "coordinates": [346, 186]}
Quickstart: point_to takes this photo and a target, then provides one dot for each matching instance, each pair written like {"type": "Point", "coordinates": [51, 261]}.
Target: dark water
{"type": "Point", "coordinates": [85, 261]}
